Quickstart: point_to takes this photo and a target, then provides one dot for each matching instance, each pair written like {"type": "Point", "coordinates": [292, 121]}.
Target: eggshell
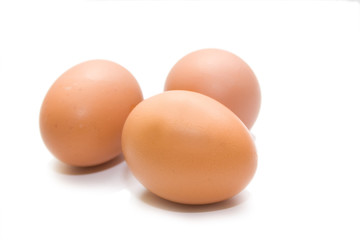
{"type": "Point", "coordinates": [188, 148]}
{"type": "Point", "coordinates": [83, 113]}
{"type": "Point", "coordinates": [220, 75]}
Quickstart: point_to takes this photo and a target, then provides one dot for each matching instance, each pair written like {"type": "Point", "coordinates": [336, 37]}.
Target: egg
{"type": "Point", "coordinates": [84, 111]}
{"type": "Point", "coordinates": [188, 148]}
{"type": "Point", "coordinates": [220, 75]}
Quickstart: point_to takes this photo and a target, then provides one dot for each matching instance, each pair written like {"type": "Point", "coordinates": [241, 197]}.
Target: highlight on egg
{"type": "Point", "coordinates": [83, 113]}
{"type": "Point", "coordinates": [221, 75]}
{"type": "Point", "coordinates": [188, 148]}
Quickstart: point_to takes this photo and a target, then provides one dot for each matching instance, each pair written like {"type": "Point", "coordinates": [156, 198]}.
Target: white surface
{"type": "Point", "coordinates": [306, 56]}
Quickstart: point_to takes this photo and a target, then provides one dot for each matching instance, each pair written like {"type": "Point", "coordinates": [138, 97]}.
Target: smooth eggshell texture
{"type": "Point", "coordinates": [220, 75]}
{"type": "Point", "coordinates": [83, 113]}
{"type": "Point", "coordinates": [188, 148]}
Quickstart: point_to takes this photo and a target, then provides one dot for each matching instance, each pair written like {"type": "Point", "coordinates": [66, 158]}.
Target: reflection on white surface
{"type": "Point", "coordinates": [115, 175]}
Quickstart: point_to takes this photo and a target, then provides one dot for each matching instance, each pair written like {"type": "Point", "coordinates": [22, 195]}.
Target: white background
{"type": "Point", "coordinates": [306, 56]}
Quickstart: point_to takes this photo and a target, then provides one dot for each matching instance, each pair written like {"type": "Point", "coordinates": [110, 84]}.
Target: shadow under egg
{"type": "Point", "coordinates": [63, 168]}
{"type": "Point", "coordinates": [113, 175]}
{"type": "Point", "coordinates": [158, 202]}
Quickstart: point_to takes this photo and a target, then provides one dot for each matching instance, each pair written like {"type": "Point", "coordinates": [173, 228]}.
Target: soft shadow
{"type": "Point", "coordinates": [63, 168]}
{"type": "Point", "coordinates": [113, 175]}
{"type": "Point", "coordinates": [158, 202]}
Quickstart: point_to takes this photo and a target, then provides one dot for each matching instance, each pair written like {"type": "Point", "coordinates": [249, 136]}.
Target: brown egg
{"type": "Point", "coordinates": [188, 148]}
{"type": "Point", "coordinates": [83, 113]}
{"type": "Point", "coordinates": [220, 75]}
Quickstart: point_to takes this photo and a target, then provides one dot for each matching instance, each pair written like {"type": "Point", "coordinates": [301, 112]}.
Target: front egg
{"type": "Point", "coordinates": [188, 148]}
